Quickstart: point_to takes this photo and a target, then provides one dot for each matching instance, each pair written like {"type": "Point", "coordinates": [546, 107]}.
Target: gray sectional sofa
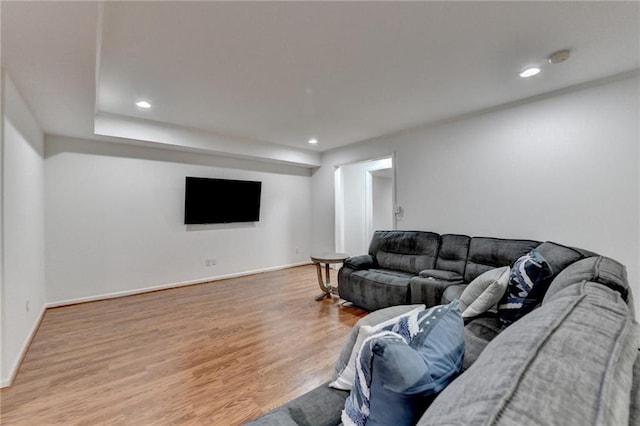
{"type": "Point", "coordinates": [573, 360]}
{"type": "Point", "coordinates": [418, 266]}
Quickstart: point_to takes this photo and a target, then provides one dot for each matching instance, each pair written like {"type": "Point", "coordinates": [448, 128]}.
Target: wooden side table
{"type": "Point", "coordinates": [327, 259]}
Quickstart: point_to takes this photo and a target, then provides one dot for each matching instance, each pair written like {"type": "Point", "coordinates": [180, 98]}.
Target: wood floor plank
{"type": "Point", "coordinates": [218, 353]}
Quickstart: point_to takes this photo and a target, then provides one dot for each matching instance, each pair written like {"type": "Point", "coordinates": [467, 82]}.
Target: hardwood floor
{"type": "Point", "coordinates": [219, 353]}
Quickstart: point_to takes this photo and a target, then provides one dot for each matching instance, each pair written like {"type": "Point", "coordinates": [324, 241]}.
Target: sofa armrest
{"type": "Point", "coordinates": [428, 290]}
{"type": "Point", "coordinates": [274, 418]}
{"type": "Point", "coordinates": [321, 406]}
{"type": "Point", "coordinates": [364, 261]}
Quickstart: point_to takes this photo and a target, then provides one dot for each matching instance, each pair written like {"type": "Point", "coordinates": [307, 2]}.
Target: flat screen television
{"type": "Point", "coordinates": [221, 201]}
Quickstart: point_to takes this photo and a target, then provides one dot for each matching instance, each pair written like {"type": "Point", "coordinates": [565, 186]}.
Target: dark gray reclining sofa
{"type": "Point", "coordinates": [572, 361]}
{"type": "Point", "coordinates": [418, 266]}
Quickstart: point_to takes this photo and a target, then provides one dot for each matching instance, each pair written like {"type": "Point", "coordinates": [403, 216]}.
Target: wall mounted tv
{"type": "Point", "coordinates": [221, 201]}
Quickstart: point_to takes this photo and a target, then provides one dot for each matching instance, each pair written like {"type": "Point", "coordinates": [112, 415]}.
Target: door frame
{"type": "Point", "coordinates": [339, 194]}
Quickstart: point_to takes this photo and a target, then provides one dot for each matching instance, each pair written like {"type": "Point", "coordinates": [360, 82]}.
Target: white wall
{"type": "Point", "coordinates": [353, 190]}
{"type": "Point", "coordinates": [115, 219]}
{"type": "Point", "coordinates": [23, 225]}
{"type": "Point", "coordinates": [562, 167]}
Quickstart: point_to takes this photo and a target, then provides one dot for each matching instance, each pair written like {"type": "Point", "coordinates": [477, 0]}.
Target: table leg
{"type": "Point", "coordinates": [326, 288]}
{"type": "Point", "coordinates": [328, 280]}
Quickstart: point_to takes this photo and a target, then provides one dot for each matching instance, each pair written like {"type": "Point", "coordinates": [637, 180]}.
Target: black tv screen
{"type": "Point", "coordinates": [221, 201]}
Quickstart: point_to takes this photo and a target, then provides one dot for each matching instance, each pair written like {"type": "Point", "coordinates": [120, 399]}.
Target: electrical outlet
{"type": "Point", "coordinates": [208, 262]}
{"type": "Point", "coordinates": [297, 250]}
{"type": "Point", "coordinates": [214, 261]}
{"type": "Point", "coordinates": [27, 306]}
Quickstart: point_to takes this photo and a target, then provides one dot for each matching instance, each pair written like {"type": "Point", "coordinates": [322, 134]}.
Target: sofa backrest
{"type": "Point", "coordinates": [414, 251]}
{"type": "Point", "coordinates": [488, 253]}
{"type": "Point", "coordinates": [600, 269]}
{"type": "Point", "coordinates": [453, 252]}
{"type": "Point", "coordinates": [558, 256]}
{"type": "Point", "coordinates": [408, 251]}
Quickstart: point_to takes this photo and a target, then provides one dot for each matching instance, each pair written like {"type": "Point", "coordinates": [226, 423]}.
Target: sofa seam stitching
{"type": "Point", "coordinates": [532, 357]}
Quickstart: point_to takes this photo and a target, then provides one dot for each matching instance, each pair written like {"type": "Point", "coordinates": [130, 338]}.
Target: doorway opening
{"type": "Point", "coordinates": [364, 202]}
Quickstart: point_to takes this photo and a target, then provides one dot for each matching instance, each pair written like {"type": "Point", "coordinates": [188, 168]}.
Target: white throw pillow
{"type": "Point", "coordinates": [345, 379]}
{"type": "Point", "coordinates": [484, 292]}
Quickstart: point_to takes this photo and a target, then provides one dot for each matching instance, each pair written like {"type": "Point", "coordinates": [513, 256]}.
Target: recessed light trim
{"type": "Point", "coordinates": [530, 72]}
{"type": "Point", "coordinates": [313, 141]}
{"type": "Point", "coordinates": [143, 104]}
{"type": "Point", "coordinates": [559, 56]}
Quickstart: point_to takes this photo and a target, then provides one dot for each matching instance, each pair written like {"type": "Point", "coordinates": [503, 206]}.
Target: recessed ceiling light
{"type": "Point", "coordinates": [559, 56]}
{"type": "Point", "coordinates": [313, 141]}
{"type": "Point", "coordinates": [530, 72]}
{"type": "Point", "coordinates": [143, 104]}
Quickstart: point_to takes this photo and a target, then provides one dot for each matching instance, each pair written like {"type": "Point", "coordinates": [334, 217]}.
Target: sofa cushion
{"type": "Point", "coordinates": [376, 288]}
{"type": "Point", "coordinates": [567, 363]}
{"type": "Point", "coordinates": [441, 275]}
{"type": "Point", "coordinates": [321, 406]}
{"type": "Point", "coordinates": [274, 418]}
{"type": "Point", "coordinates": [345, 366]}
{"type": "Point", "coordinates": [600, 269]}
{"type": "Point", "coordinates": [408, 251]}
{"type": "Point", "coordinates": [428, 290]}
{"type": "Point", "coordinates": [453, 252]}
{"type": "Point", "coordinates": [372, 318]}
{"type": "Point", "coordinates": [558, 256]}
{"type": "Point", "coordinates": [488, 253]}
{"type": "Point", "coordinates": [412, 263]}
{"type": "Point", "coordinates": [401, 365]}
{"type": "Point", "coordinates": [529, 278]}
{"type": "Point", "coordinates": [452, 293]}
{"type": "Point", "coordinates": [484, 292]}
{"type": "Point", "coordinates": [477, 335]}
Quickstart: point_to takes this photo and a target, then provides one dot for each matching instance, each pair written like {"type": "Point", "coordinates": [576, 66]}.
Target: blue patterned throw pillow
{"type": "Point", "coordinates": [530, 277]}
{"type": "Point", "coordinates": [403, 366]}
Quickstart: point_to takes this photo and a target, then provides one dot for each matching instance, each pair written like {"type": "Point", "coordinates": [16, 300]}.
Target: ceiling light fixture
{"type": "Point", "coordinates": [313, 141]}
{"type": "Point", "coordinates": [143, 104]}
{"type": "Point", "coordinates": [559, 56]}
{"type": "Point", "coordinates": [530, 72]}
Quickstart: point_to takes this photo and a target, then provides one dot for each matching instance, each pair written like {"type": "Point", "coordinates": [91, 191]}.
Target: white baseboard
{"type": "Point", "coordinates": [6, 382]}
{"type": "Point", "coordinates": [167, 286]}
